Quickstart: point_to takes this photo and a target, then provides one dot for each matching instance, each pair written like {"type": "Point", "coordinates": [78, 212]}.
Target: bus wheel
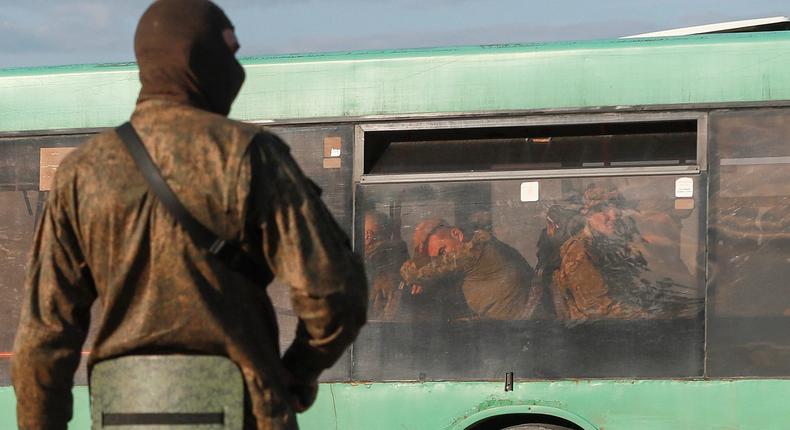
{"type": "Point", "coordinates": [536, 427]}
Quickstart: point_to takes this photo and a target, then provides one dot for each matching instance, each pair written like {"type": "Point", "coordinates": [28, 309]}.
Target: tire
{"type": "Point", "coordinates": [536, 427]}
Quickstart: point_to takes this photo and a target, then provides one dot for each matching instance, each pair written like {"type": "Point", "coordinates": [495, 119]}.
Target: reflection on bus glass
{"type": "Point", "coordinates": [604, 271]}
{"type": "Point", "coordinates": [749, 246]}
{"type": "Point", "coordinates": [597, 254]}
{"type": "Point", "coordinates": [384, 253]}
{"type": "Point", "coordinates": [494, 278]}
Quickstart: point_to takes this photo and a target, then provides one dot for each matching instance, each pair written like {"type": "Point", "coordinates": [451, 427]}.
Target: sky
{"type": "Point", "coordinates": [56, 32]}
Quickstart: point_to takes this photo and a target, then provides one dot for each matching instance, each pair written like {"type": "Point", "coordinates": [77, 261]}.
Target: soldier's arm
{"type": "Point", "coordinates": [309, 252]}
{"type": "Point", "coordinates": [584, 281]}
{"type": "Point", "coordinates": [54, 322]}
{"type": "Point", "coordinates": [439, 267]}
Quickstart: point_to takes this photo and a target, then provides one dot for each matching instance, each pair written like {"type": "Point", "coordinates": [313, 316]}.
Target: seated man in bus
{"type": "Point", "coordinates": [562, 223]}
{"type": "Point", "coordinates": [383, 259]}
{"type": "Point", "coordinates": [603, 271]}
{"type": "Point", "coordinates": [495, 278]}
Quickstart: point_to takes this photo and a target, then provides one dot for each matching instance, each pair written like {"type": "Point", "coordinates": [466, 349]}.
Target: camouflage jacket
{"type": "Point", "coordinates": [383, 261]}
{"type": "Point", "coordinates": [104, 236]}
{"type": "Point", "coordinates": [581, 290]}
{"type": "Point", "coordinates": [496, 278]}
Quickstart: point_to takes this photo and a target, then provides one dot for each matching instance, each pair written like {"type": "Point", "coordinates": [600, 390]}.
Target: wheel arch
{"type": "Point", "coordinates": [521, 414]}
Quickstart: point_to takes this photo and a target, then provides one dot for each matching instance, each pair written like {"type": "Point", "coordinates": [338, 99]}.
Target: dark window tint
{"type": "Point", "coordinates": [531, 148]}
{"type": "Point", "coordinates": [548, 279]}
{"type": "Point", "coordinates": [749, 241]}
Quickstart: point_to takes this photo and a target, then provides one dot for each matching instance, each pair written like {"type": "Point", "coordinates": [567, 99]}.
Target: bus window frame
{"type": "Point", "coordinates": [359, 177]}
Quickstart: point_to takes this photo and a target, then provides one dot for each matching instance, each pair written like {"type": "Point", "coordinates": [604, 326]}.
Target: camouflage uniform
{"type": "Point", "coordinates": [580, 289]}
{"type": "Point", "coordinates": [610, 277]}
{"type": "Point", "coordinates": [383, 261]}
{"type": "Point", "coordinates": [105, 235]}
{"type": "Point", "coordinates": [495, 278]}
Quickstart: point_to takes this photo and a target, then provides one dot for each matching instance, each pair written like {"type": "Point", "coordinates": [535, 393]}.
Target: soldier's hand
{"type": "Point", "coordinates": [416, 289]}
{"type": "Point", "coordinates": [408, 270]}
{"type": "Point", "coordinates": [302, 394]}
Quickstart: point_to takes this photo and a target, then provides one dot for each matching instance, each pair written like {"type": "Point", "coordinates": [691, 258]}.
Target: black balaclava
{"type": "Point", "coordinates": [183, 56]}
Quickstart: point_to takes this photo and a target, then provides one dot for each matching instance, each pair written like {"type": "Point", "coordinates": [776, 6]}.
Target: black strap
{"type": "Point", "coordinates": [162, 419]}
{"type": "Point", "coordinates": [227, 251]}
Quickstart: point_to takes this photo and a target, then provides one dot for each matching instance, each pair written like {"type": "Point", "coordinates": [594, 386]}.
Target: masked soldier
{"type": "Point", "coordinates": [495, 278]}
{"type": "Point", "coordinates": [105, 236]}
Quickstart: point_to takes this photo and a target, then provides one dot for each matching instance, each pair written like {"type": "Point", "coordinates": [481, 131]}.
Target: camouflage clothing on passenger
{"type": "Point", "coordinates": [495, 278]}
{"type": "Point", "coordinates": [383, 260]}
{"type": "Point", "coordinates": [604, 272]}
{"type": "Point", "coordinates": [582, 283]}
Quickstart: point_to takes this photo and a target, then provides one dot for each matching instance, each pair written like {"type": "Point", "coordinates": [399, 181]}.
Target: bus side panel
{"type": "Point", "coordinates": [749, 244]}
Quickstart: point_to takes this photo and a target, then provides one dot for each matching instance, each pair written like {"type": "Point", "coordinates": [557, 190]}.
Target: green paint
{"type": "Point", "coordinates": [697, 69]}
{"type": "Point", "coordinates": [594, 404]}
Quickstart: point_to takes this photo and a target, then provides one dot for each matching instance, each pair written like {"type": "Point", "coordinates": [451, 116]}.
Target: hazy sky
{"type": "Point", "coordinates": [52, 32]}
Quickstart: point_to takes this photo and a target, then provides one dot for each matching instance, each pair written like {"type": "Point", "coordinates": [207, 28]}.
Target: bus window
{"type": "Point", "coordinates": [597, 277]}
{"type": "Point", "coordinates": [602, 145]}
{"type": "Point", "coordinates": [749, 245]}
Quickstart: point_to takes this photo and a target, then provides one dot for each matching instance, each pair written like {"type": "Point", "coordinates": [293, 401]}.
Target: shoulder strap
{"type": "Point", "coordinates": [227, 251]}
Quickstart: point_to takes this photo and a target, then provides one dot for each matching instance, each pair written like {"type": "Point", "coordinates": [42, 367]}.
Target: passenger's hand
{"type": "Point", "coordinates": [408, 270]}
{"type": "Point", "coordinates": [416, 290]}
{"type": "Point", "coordinates": [302, 395]}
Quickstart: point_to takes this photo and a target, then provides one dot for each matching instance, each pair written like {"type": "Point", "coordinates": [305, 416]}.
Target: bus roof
{"type": "Point", "coordinates": [776, 23]}
{"type": "Point", "coordinates": [719, 68]}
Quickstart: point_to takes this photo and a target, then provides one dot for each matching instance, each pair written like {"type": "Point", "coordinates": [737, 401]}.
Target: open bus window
{"type": "Point", "coordinates": [467, 280]}
{"type": "Point", "coordinates": [665, 143]}
{"type": "Point", "coordinates": [749, 324]}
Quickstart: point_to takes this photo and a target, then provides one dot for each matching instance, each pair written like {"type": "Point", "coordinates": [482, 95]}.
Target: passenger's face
{"type": "Point", "coordinates": [605, 220]}
{"type": "Point", "coordinates": [445, 241]}
{"type": "Point", "coordinates": [372, 229]}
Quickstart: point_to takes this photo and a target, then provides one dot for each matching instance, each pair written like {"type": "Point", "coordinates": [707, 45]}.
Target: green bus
{"type": "Point", "coordinates": [640, 188]}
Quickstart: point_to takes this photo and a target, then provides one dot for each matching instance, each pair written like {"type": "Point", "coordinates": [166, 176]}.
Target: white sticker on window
{"type": "Point", "coordinates": [530, 191]}
{"type": "Point", "coordinates": [334, 152]}
{"type": "Point", "coordinates": [684, 188]}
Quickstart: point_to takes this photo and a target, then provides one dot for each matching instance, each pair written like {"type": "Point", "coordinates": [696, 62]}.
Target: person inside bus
{"type": "Point", "coordinates": [495, 278]}
{"type": "Point", "coordinates": [562, 223]}
{"type": "Point", "coordinates": [603, 272]}
{"type": "Point", "coordinates": [383, 258]}
{"type": "Point", "coordinates": [105, 236]}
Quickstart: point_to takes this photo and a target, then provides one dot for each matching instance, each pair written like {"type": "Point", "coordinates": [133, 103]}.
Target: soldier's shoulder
{"type": "Point", "coordinates": [83, 160]}
{"type": "Point", "coordinates": [271, 145]}
{"type": "Point", "coordinates": [245, 131]}
{"type": "Point", "coordinates": [575, 246]}
{"type": "Point", "coordinates": [89, 153]}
